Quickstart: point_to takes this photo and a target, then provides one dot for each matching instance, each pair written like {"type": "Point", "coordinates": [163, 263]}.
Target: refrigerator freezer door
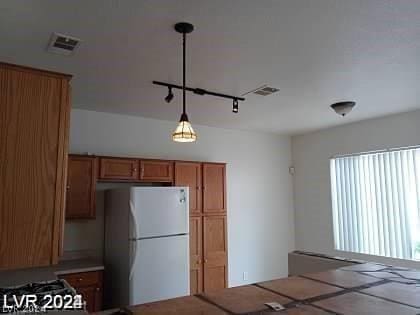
{"type": "Point", "coordinates": [160, 269]}
{"type": "Point", "coordinates": [159, 211]}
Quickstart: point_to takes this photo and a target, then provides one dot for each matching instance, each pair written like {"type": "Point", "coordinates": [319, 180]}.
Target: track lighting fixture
{"type": "Point", "coordinates": [235, 108]}
{"type": "Point", "coordinates": [170, 95]}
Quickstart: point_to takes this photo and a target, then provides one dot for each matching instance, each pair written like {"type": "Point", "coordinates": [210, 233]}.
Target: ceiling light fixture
{"type": "Point", "coordinates": [235, 107]}
{"type": "Point", "coordinates": [343, 108]}
{"type": "Point", "coordinates": [170, 95]}
{"type": "Point", "coordinates": [184, 131]}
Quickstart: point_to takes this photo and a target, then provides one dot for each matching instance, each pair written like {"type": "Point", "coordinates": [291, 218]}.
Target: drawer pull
{"type": "Point", "coordinates": [80, 279]}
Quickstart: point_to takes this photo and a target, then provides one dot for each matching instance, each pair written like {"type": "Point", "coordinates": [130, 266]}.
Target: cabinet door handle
{"type": "Point", "coordinates": [142, 172]}
{"type": "Point", "coordinates": [68, 187]}
{"type": "Point", "coordinates": [98, 289]}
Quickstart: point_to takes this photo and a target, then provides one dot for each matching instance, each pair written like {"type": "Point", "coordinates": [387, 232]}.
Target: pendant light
{"type": "Point", "coordinates": [184, 131]}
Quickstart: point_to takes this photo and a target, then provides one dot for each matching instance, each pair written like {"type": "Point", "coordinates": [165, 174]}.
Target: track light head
{"type": "Point", "coordinates": [170, 95]}
{"type": "Point", "coordinates": [235, 108]}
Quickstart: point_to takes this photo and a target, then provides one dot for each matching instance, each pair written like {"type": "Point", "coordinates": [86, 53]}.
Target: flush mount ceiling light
{"type": "Point", "coordinates": [184, 131]}
{"type": "Point", "coordinates": [343, 108]}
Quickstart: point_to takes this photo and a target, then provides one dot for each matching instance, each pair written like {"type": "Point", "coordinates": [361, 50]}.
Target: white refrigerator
{"type": "Point", "coordinates": [146, 245]}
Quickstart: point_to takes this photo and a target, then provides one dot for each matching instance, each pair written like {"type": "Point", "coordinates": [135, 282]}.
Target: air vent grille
{"type": "Point", "coordinates": [63, 44]}
{"type": "Point", "coordinates": [265, 90]}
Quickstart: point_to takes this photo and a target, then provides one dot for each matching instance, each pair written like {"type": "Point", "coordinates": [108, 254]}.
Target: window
{"type": "Point", "coordinates": [376, 203]}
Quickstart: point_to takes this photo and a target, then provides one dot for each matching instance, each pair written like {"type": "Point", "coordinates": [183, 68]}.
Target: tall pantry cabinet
{"type": "Point", "coordinates": [34, 123]}
{"type": "Point", "coordinates": [208, 223]}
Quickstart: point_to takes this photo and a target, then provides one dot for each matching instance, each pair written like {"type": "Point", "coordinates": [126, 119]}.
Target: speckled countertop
{"type": "Point", "coordinates": [23, 276]}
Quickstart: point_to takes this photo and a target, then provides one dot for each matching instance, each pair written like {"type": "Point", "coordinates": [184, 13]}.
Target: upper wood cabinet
{"type": "Point", "coordinates": [81, 187]}
{"type": "Point", "coordinates": [214, 189]}
{"type": "Point", "coordinates": [34, 123]}
{"type": "Point", "coordinates": [189, 174]}
{"type": "Point", "coordinates": [156, 170]}
{"type": "Point", "coordinates": [119, 169]}
{"type": "Point", "coordinates": [215, 252]}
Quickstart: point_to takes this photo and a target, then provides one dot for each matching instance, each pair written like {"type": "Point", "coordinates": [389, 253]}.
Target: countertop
{"type": "Point", "coordinates": [9, 278]}
{"type": "Point", "coordinates": [368, 288]}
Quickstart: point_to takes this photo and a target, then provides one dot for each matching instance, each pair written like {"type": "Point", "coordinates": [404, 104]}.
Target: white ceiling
{"type": "Point", "coordinates": [316, 52]}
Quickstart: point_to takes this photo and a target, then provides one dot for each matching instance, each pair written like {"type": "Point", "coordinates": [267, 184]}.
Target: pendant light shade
{"type": "Point", "coordinates": [184, 132]}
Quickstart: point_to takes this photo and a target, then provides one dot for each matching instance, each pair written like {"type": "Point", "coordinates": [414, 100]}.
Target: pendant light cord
{"type": "Point", "coordinates": [183, 73]}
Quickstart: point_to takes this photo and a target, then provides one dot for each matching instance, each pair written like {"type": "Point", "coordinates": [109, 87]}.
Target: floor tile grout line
{"type": "Point", "coordinates": [360, 287]}
{"type": "Point", "coordinates": [209, 301]}
{"type": "Point", "coordinates": [325, 309]}
{"type": "Point", "coordinates": [278, 293]}
{"type": "Point", "coordinates": [388, 299]}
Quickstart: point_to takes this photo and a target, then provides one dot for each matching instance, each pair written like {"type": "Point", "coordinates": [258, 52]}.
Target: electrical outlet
{"type": "Point", "coordinates": [245, 275]}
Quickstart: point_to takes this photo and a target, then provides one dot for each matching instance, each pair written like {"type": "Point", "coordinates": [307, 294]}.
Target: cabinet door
{"type": "Point", "coordinates": [215, 252]}
{"type": "Point", "coordinates": [89, 285]}
{"type": "Point", "coordinates": [81, 187]}
{"type": "Point", "coordinates": [34, 117]}
{"type": "Point", "coordinates": [118, 168]}
{"type": "Point", "coordinates": [156, 171]}
{"type": "Point", "coordinates": [89, 297]}
{"type": "Point", "coordinates": [189, 174]}
{"type": "Point", "coordinates": [196, 253]}
{"type": "Point", "coordinates": [214, 188]}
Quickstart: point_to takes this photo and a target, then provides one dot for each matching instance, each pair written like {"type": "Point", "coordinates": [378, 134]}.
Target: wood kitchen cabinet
{"type": "Point", "coordinates": [90, 286]}
{"type": "Point", "coordinates": [215, 252]}
{"type": "Point", "coordinates": [119, 169]}
{"type": "Point", "coordinates": [214, 188]}
{"type": "Point", "coordinates": [196, 255]}
{"type": "Point", "coordinates": [34, 125]}
{"type": "Point", "coordinates": [81, 187]}
{"type": "Point", "coordinates": [208, 220]}
{"type": "Point", "coordinates": [156, 170]}
{"type": "Point", "coordinates": [189, 174]}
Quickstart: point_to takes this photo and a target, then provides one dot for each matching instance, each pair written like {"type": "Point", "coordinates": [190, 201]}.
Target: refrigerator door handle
{"type": "Point", "coordinates": [133, 217]}
{"type": "Point", "coordinates": [134, 259]}
{"type": "Point", "coordinates": [133, 239]}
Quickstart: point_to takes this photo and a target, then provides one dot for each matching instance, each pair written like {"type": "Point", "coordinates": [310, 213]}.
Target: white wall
{"type": "Point", "coordinates": [311, 153]}
{"type": "Point", "coordinates": [259, 187]}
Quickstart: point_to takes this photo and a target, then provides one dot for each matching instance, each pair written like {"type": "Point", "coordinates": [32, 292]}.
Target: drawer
{"type": "Point", "coordinates": [83, 279]}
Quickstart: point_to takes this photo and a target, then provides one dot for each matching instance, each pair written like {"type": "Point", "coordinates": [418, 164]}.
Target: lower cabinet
{"type": "Point", "coordinates": [215, 252]}
{"type": "Point", "coordinates": [208, 253]}
{"type": "Point", "coordinates": [196, 255]}
{"type": "Point", "coordinates": [90, 286]}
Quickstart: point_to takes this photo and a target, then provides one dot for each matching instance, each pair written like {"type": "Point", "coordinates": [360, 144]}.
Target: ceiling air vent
{"type": "Point", "coordinates": [265, 90]}
{"type": "Point", "coordinates": [63, 44]}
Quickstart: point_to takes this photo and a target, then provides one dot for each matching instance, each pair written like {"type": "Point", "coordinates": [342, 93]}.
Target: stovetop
{"type": "Point", "coordinates": [10, 296]}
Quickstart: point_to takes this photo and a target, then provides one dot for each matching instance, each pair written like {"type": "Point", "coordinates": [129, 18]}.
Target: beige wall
{"type": "Point", "coordinates": [259, 187]}
{"type": "Point", "coordinates": [311, 153]}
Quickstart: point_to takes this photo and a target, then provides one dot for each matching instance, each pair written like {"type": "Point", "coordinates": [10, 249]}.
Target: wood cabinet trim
{"type": "Point", "coordinates": [61, 178]}
{"type": "Point", "coordinates": [35, 70]}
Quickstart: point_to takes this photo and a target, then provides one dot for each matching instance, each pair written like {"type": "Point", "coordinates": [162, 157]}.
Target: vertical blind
{"type": "Point", "coordinates": [376, 203]}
